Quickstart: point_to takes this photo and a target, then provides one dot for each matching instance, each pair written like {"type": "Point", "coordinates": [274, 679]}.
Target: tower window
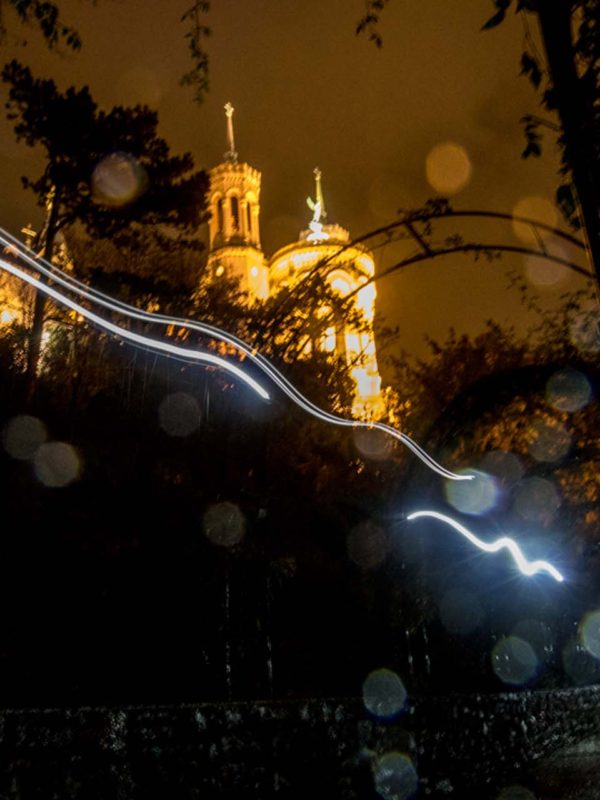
{"type": "Point", "coordinates": [235, 213]}
{"type": "Point", "coordinates": [220, 215]}
{"type": "Point", "coordinates": [249, 218]}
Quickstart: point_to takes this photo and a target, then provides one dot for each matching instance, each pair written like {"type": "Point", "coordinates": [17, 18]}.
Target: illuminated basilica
{"type": "Point", "coordinates": [235, 250]}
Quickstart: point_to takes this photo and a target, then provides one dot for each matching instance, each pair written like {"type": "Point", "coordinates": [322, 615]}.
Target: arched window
{"type": "Point", "coordinates": [235, 213]}
{"type": "Point", "coordinates": [220, 215]}
{"type": "Point", "coordinates": [249, 218]}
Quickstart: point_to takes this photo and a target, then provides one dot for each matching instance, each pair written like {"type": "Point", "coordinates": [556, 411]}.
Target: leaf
{"type": "Point", "coordinates": [531, 68]}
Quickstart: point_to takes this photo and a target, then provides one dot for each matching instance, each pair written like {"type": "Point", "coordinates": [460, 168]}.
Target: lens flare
{"type": "Point", "coordinates": [179, 414]}
{"type": "Point", "coordinates": [589, 632]}
{"type": "Point", "coordinates": [117, 180]}
{"type": "Point", "coordinates": [548, 442]}
{"type": "Point", "coordinates": [536, 500]}
{"type": "Point", "coordinates": [224, 524]}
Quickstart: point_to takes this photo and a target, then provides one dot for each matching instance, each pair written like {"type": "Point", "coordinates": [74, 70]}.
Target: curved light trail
{"type": "Point", "coordinates": [528, 568]}
{"type": "Point", "coordinates": [92, 295]}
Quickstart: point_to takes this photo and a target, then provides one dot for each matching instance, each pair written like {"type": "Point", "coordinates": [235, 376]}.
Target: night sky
{"type": "Point", "coordinates": [308, 92]}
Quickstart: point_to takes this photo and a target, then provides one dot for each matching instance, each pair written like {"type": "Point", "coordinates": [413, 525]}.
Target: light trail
{"type": "Point", "coordinates": [504, 543]}
{"type": "Point", "coordinates": [89, 294]}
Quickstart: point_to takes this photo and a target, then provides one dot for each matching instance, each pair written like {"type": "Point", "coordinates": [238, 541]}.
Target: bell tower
{"type": "Point", "coordinates": [234, 233]}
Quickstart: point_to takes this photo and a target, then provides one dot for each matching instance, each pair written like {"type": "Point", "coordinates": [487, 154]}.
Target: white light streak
{"type": "Point", "coordinates": [504, 543]}
{"type": "Point", "coordinates": [92, 295]}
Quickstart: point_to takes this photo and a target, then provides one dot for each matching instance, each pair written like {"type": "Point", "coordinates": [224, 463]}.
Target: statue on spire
{"type": "Point", "coordinates": [317, 206]}
{"type": "Point", "coordinates": [231, 155]}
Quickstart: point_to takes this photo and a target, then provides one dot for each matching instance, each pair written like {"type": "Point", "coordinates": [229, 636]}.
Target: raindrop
{"type": "Point", "coordinates": [224, 524]}
{"type": "Point", "coordinates": [367, 545]}
{"type": "Point", "coordinates": [568, 390]}
{"type": "Point", "coordinates": [549, 442]}
{"type": "Point", "coordinates": [475, 496]}
{"type": "Point", "coordinates": [514, 660]}
{"type": "Point", "coordinates": [504, 466]}
{"type": "Point", "coordinates": [589, 631]}
{"type": "Point", "coordinates": [536, 500]}
{"type": "Point", "coordinates": [22, 436]}
{"type": "Point", "coordinates": [448, 168]}
{"type": "Point", "coordinates": [582, 667]}
{"type": "Point", "coordinates": [384, 694]}
{"type": "Point", "coordinates": [56, 464]}
{"type": "Point", "coordinates": [179, 414]}
{"type": "Point", "coordinates": [118, 179]}
{"type": "Point", "coordinates": [395, 777]}
{"type": "Point", "coordinates": [372, 443]}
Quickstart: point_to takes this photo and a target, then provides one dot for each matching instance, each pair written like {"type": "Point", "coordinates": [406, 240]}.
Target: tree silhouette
{"type": "Point", "coordinates": [104, 170]}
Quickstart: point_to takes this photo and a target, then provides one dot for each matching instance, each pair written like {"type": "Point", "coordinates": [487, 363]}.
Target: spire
{"type": "Point", "coordinates": [319, 192]}
{"type": "Point", "coordinates": [231, 155]}
{"type": "Point", "coordinates": [317, 206]}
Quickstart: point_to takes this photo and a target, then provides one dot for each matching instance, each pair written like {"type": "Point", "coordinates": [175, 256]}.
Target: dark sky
{"type": "Point", "coordinates": [308, 92]}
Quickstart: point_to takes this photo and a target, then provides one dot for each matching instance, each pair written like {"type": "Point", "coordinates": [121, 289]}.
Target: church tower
{"type": "Point", "coordinates": [234, 233]}
{"type": "Point", "coordinates": [348, 267]}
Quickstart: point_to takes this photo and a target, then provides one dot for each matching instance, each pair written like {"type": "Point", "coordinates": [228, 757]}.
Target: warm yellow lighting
{"type": "Point", "coordinates": [328, 343]}
{"type": "Point", "coordinates": [219, 270]}
{"type": "Point", "coordinates": [254, 272]}
{"type": "Point", "coordinates": [6, 316]}
{"type": "Point", "coordinates": [341, 285]}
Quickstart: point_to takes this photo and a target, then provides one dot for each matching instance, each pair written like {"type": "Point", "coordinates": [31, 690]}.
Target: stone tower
{"type": "Point", "coordinates": [234, 232]}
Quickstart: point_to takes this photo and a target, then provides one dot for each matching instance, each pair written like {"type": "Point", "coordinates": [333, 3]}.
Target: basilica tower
{"type": "Point", "coordinates": [234, 233]}
{"type": "Point", "coordinates": [347, 267]}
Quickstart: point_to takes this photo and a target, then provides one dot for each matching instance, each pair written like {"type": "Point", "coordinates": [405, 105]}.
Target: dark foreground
{"type": "Point", "coordinates": [461, 746]}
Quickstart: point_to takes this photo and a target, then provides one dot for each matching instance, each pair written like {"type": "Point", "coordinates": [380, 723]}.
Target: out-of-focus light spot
{"type": "Point", "coordinates": [22, 436]}
{"type": "Point", "coordinates": [473, 497]}
{"type": "Point", "coordinates": [219, 270]}
{"type": "Point", "coordinates": [538, 209]}
{"type": "Point", "coordinates": [549, 443]}
{"type": "Point", "coordinates": [580, 665]}
{"type": "Point", "coordinates": [516, 793]}
{"type": "Point", "coordinates": [589, 631]}
{"type": "Point", "coordinates": [505, 467]}
{"type": "Point", "coordinates": [538, 635]}
{"type": "Point", "coordinates": [460, 611]}
{"type": "Point", "coordinates": [224, 524]}
{"type": "Point", "coordinates": [6, 316]}
{"type": "Point", "coordinates": [536, 500]}
{"type": "Point", "coordinates": [56, 464]}
{"type": "Point", "coordinates": [545, 273]}
{"type": "Point", "coordinates": [117, 180]}
{"type": "Point", "coordinates": [383, 693]}
{"type": "Point", "coordinates": [254, 272]}
{"type": "Point", "coordinates": [179, 414]}
{"type": "Point", "coordinates": [448, 168]}
{"type": "Point", "coordinates": [372, 443]}
{"type": "Point", "coordinates": [514, 661]}
{"type": "Point", "coordinates": [568, 390]}
{"type": "Point", "coordinates": [395, 777]}
{"type": "Point", "coordinates": [585, 331]}
{"type": "Point", "coordinates": [367, 545]}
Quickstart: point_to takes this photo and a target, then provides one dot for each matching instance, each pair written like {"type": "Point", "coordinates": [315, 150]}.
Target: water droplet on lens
{"type": "Point", "coordinates": [514, 661]}
{"type": "Point", "coordinates": [179, 414]}
{"type": "Point", "coordinates": [472, 497]}
{"type": "Point", "coordinates": [536, 500]}
{"type": "Point", "coordinates": [384, 694]}
{"type": "Point", "coordinates": [568, 390]}
{"type": "Point", "coordinates": [395, 777]}
{"type": "Point", "coordinates": [589, 631]}
{"type": "Point", "coordinates": [367, 545]}
{"type": "Point", "coordinates": [22, 436]}
{"type": "Point", "coordinates": [117, 180]}
{"type": "Point", "coordinates": [224, 524]}
{"type": "Point", "coordinates": [549, 442]}
{"type": "Point", "coordinates": [56, 464]}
